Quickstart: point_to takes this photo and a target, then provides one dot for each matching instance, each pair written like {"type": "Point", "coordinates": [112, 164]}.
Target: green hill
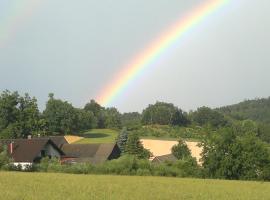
{"type": "Point", "coordinates": [99, 136]}
{"type": "Point", "coordinates": [43, 186]}
{"type": "Point", "coordinates": [257, 110]}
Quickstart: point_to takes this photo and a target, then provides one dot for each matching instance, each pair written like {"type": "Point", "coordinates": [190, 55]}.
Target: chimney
{"type": "Point", "coordinates": [11, 146]}
{"type": "Point", "coordinates": [29, 137]}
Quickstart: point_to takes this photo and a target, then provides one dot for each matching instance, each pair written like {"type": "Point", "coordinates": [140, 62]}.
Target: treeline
{"type": "Point", "coordinates": [20, 116]}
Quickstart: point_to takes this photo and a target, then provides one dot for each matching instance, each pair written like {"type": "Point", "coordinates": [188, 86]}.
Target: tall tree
{"type": "Point", "coordinates": [122, 139]}
{"type": "Point", "coordinates": [228, 155]}
{"type": "Point", "coordinates": [164, 114]}
{"type": "Point", "coordinates": [19, 116]}
{"type": "Point", "coordinates": [60, 116]}
{"type": "Point", "coordinates": [207, 116]}
{"type": "Point", "coordinates": [181, 150]}
{"type": "Point", "coordinates": [135, 147]}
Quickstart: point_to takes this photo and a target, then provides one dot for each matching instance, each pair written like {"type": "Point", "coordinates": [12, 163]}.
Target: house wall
{"type": "Point", "coordinates": [23, 164]}
{"type": "Point", "coordinates": [51, 151]}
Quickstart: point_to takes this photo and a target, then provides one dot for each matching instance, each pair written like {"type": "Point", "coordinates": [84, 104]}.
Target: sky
{"type": "Point", "coordinates": [74, 49]}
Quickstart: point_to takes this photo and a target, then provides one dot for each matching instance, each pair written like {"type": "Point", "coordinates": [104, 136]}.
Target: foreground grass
{"type": "Point", "coordinates": [44, 186]}
{"type": "Point", "coordinates": [98, 136]}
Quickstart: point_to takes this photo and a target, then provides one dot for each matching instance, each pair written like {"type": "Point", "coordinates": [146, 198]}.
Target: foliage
{"type": "Point", "coordinates": [181, 150]}
{"type": "Point", "coordinates": [4, 158]}
{"type": "Point", "coordinates": [60, 116]}
{"type": "Point", "coordinates": [135, 147]}
{"type": "Point", "coordinates": [131, 120]}
{"type": "Point", "coordinates": [257, 110]}
{"type": "Point", "coordinates": [122, 139]}
{"type": "Point", "coordinates": [174, 132]}
{"type": "Point", "coordinates": [105, 117]}
{"type": "Point", "coordinates": [164, 114]}
{"type": "Point", "coordinates": [19, 115]}
{"type": "Point", "coordinates": [230, 156]}
{"type": "Point", "coordinates": [207, 116]}
{"type": "Point", "coordinates": [112, 118]}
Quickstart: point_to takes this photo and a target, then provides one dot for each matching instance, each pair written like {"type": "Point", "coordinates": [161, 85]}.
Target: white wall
{"type": "Point", "coordinates": [23, 164]}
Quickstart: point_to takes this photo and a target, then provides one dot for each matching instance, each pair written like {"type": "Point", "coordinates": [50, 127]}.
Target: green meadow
{"type": "Point", "coordinates": [44, 186]}
{"type": "Point", "coordinates": [99, 136]}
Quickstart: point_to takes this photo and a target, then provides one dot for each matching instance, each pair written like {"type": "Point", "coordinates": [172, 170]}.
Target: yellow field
{"type": "Point", "coordinates": [50, 186]}
{"type": "Point", "coordinates": [163, 147]}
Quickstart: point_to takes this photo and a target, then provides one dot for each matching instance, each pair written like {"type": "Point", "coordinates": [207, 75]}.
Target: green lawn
{"type": "Point", "coordinates": [99, 136]}
{"type": "Point", "coordinates": [44, 186]}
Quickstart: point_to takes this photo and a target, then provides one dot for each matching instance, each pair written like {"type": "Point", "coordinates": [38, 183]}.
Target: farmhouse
{"type": "Point", "coordinates": [25, 152]}
{"type": "Point", "coordinates": [93, 153]}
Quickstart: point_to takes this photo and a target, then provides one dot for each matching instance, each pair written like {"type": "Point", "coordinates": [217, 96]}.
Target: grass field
{"type": "Point", "coordinates": [44, 186]}
{"type": "Point", "coordinates": [98, 136]}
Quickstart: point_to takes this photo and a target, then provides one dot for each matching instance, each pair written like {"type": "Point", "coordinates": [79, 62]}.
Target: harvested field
{"type": "Point", "coordinates": [163, 147]}
{"type": "Point", "coordinates": [71, 138]}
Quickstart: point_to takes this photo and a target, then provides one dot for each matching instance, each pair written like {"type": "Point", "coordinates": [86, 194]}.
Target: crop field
{"type": "Point", "coordinates": [98, 136]}
{"type": "Point", "coordinates": [44, 186]}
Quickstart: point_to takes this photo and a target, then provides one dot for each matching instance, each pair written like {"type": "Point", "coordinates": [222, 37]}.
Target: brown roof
{"type": "Point", "coordinates": [94, 153]}
{"type": "Point", "coordinates": [27, 150]}
{"type": "Point", "coordinates": [57, 140]}
{"type": "Point", "coordinates": [160, 159]}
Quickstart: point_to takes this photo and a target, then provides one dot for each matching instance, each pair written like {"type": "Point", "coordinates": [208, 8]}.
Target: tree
{"type": "Point", "coordinates": [112, 118]}
{"type": "Point", "coordinates": [207, 116]}
{"type": "Point", "coordinates": [29, 116]}
{"type": "Point", "coordinates": [19, 116]}
{"type": "Point", "coordinates": [9, 114]}
{"type": "Point", "coordinates": [181, 150]}
{"type": "Point", "coordinates": [135, 147]}
{"type": "Point", "coordinates": [98, 112]}
{"type": "Point", "coordinates": [60, 116]}
{"type": "Point", "coordinates": [85, 120]}
{"type": "Point", "coordinates": [4, 158]}
{"type": "Point", "coordinates": [122, 139]}
{"type": "Point", "coordinates": [163, 114]}
{"type": "Point", "coordinates": [230, 156]}
{"type": "Point", "coordinates": [131, 120]}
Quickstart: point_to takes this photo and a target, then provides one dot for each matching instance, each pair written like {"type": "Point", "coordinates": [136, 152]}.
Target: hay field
{"type": "Point", "coordinates": [44, 186]}
{"type": "Point", "coordinates": [163, 147]}
{"type": "Point", "coordinates": [72, 138]}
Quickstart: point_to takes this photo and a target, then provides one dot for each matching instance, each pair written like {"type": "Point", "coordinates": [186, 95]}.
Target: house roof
{"type": "Point", "coordinates": [26, 150]}
{"type": "Point", "coordinates": [168, 157]}
{"type": "Point", "coordinates": [94, 153]}
{"type": "Point", "coordinates": [57, 140]}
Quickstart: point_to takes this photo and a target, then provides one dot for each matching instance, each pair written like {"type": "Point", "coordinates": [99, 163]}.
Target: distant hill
{"type": "Point", "coordinates": [257, 110]}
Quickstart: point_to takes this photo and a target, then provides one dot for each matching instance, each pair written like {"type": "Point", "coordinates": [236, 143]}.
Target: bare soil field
{"type": "Point", "coordinates": [163, 147]}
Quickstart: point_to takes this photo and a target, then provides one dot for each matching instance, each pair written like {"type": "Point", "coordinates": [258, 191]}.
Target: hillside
{"type": "Point", "coordinates": [257, 110]}
{"type": "Point", "coordinates": [43, 186]}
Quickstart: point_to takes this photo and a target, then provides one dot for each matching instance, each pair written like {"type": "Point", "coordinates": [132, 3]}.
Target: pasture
{"type": "Point", "coordinates": [44, 186]}
{"type": "Point", "coordinates": [98, 136]}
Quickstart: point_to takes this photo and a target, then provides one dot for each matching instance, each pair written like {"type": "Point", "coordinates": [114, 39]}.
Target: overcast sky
{"type": "Point", "coordinates": [74, 48]}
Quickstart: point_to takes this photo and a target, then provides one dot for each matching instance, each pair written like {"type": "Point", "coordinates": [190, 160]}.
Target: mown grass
{"type": "Point", "coordinates": [98, 136]}
{"type": "Point", "coordinates": [44, 186]}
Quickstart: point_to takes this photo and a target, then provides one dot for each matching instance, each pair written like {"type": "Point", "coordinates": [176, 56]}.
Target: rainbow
{"type": "Point", "coordinates": [152, 52]}
{"type": "Point", "coordinates": [17, 13]}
